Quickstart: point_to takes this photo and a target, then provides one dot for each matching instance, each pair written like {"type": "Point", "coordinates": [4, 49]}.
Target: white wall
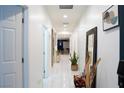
{"type": "Point", "coordinates": [107, 47]}
{"type": "Point", "coordinates": [37, 18]}
{"type": "Point", "coordinates": [74, 42]}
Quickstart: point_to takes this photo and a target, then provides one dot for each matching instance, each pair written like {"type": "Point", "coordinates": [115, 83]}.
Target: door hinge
{"type": "Point", "coordinates": [22, 20]}
{"type": "Point", "coordinates": [43, 53]}
{"type": "Point", "coordinates": [22, 60]}
{"type": "Point", "coordinates": [44, 71]}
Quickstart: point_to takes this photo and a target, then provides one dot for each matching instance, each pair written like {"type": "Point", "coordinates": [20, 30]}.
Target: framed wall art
{"type": "Point", "coordinates": [110, 18]}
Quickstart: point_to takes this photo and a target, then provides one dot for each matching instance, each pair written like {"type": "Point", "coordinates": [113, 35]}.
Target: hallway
{"type": "Point", "coordinates": [61, 75]}
{"type": "Point", "coordinates": [31, 42]}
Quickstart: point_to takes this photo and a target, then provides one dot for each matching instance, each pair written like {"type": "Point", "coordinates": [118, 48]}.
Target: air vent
{"type": "Point", "coordinates": [66, 23]}
{"type": "Point", "coordinates": [65, 6]}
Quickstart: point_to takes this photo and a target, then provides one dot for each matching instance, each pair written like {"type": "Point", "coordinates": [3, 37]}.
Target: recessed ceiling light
{"type": "Point", "coordinates": [65, 16]}
{"type": "Point", "coordinates": [64, 32]}
{"type": "Point", "coordinates": [65, 25]}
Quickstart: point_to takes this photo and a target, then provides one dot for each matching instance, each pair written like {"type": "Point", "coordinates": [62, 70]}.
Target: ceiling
{"type": "Point", "coordinates": [72, 17]}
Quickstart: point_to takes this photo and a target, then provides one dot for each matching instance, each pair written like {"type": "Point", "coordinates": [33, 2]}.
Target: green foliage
{"type": "Point", "coordinates": [74, 58]}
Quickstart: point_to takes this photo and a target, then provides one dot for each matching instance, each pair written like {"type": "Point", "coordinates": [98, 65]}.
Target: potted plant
{"type": "Point", "coordinates": [74, 59]}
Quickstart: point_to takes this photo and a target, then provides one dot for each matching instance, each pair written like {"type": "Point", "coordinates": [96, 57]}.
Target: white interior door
{"type": "Point", "coordinates": [10, 46]}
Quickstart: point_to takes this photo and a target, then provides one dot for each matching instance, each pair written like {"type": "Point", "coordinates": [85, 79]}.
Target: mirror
{"type": "Point", "coordinates": [90, 47]}
{"type": "Point", "coordinates": [91, 53]}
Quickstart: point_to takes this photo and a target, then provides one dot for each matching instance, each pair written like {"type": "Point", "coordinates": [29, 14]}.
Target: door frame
{"type": "Point", "coordinates": [25, 32]}
{"type": "Point", "coordinates": [45, 51]}
{"type": "Point", "coordinates": [52, 47]}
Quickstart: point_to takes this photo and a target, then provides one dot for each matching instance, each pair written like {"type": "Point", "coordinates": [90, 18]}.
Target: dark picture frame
{"type": "Point", "coordinates": [110, 18]}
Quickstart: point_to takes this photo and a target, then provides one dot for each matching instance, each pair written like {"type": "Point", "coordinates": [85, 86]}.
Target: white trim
{"type": "Point", "coordinates": [25, 48]}
{"type": "Point", "coordinates": [26, 62]}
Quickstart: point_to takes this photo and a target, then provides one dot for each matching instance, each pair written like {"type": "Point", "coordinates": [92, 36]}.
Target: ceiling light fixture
{"type": "Point", "coordinates": [65, 25]}
{"type": "Point", "coordinates": [64, 32]}
{"type": "Point", "coordinates": [65, 16]}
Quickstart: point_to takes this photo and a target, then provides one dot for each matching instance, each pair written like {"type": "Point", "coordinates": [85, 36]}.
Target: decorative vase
{"type": "Point", "coordinates": [74, 67]}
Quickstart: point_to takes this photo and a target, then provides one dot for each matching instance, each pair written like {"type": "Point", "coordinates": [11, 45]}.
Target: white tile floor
{"type": "Point", "coordinates": [61, 75]}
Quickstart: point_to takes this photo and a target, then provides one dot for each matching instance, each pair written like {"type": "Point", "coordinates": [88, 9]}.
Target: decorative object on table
{"type": "Point", "coordinates": [79, 81]}
{"type": "Point", "coordinates": [74, 59]}
{"type": "Point", "coordinates": [93, 72]}
{"type": "Point", "coordinates": [88, 71]}
{"type": "Point", "coordinates": [110, 18]}
{"type": "Point", "coordinates": [90, 74]}
{"type": "Point", "coordinates": [85, 80]}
